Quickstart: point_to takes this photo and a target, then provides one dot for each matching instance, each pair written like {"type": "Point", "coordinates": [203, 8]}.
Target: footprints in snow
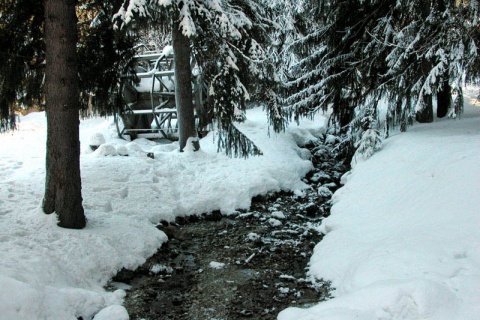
{"type": "Point", "coordinates": [115, 194]}
{"type": "Point", "coordinates": [123, 178]}
{"type": "Point", "coordinates": [124, 193]}
{"type": "Point", "coordinates": [16, 187]}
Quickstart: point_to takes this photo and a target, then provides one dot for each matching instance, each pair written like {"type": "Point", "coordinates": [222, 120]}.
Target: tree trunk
{"type": "Point", "coordinates": [426, 114]}
{"type": "Point", "coordinates": [63, 193]}
{"type": "Point", "coordinates": [444, 98]}
{"type": "Point", "coordinates": [183, 88]}
{"type": "Point", "coordinates": [343, 113]}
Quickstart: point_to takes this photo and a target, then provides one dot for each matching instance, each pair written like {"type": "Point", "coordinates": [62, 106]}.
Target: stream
{"type": "Point", "coordinates": [250, 264]}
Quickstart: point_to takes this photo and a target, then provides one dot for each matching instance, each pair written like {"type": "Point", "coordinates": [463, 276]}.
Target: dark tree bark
{"type": "Point", "coordinates": [444, 98]}
{"type": "Point", "coordinates": [426, 114]}
{"type": "Point", "coordinates": [444, 95]}
{"type": "Point", "coordinates": [183, 88]}
{"type": "Point", "coordinates": [343, 113]}
{"type": "Point", "coordinates": [63, 193]}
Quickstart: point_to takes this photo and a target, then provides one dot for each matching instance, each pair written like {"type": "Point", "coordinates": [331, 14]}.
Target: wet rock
{"type": "Point", "coordinates": [324, 192]}
{"type": "Point", "coordinates": [214, 216]}
{"type": "Point", "coordinates": [180, 220]}
{"type": "Point", "coordinates": [163, 223]}
{"type": "Point", "coordinates": [177, 300]}
{"type": "Point", "coordinates": [177, 233]}
{"type": "Point", "coordinates": [125, 276]}
{"type": "Point", "coordinates": [311, 210]}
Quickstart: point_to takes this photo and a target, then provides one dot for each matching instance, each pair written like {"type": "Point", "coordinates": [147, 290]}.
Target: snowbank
{"type": "Point", "coordinates": [51, 273]}
{"type": "Point", "coordinates": [402, 240]}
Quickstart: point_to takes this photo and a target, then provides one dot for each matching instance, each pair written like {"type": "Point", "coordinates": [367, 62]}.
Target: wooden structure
{"type": "Point", "coordinates": [150, 110]}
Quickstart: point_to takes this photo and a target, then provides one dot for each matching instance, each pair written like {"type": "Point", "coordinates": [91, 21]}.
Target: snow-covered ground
{"type": "Point", "coordinates": [401, 243]}
{"type": "Point", "coordinates": [51, 273]}
{"type": "Point", "coordinates": [403, 238]}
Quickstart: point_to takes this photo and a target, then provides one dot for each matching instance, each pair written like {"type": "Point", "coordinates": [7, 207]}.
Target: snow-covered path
{"type": "Point", "coordinates": [402, 240]}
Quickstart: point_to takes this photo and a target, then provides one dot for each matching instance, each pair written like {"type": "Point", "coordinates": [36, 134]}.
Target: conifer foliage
{"type": "Point", "coordinates": [22, 54]}
{"type": "Point", "coordinates": [226, 39]}
{"type": "Point", "coordinates": [103, 55]}
{"type": "Point", "coordinates": [409, 53]}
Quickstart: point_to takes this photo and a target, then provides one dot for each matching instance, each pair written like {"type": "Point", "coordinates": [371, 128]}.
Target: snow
{"type": "Point", "coordinates": [403, 236]}
{"type": "Point", "coordinates": [115, 312]}
{"type": "Point", "coordinates": [161, 268]}
{"type": "Point", "coordinates": [47, 272]}
{"type": "Point", "coordinates": [217, 265]}
{"type": "Point", "coordinates": [167, 51]}
{"type": "Point", "coordinates": [324, 192]}
{"type": "Point", "coordinates": [252, 236]}
{"type": "Point", "coordinates": [274, 222]}
{"type": "Point", "coordinates": [401, 242]}
{"type": "Point", "coordinates": [135, 7]}
{"type": "Point", "coordinates": [187, 25]}
{"type": "Point", "coordinates": [278, 215]}
{"type": "Point", "coordinates": [97, 139]}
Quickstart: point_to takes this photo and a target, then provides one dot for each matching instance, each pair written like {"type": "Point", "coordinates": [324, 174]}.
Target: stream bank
{"type": "Point", "coordinates": [251, 264]}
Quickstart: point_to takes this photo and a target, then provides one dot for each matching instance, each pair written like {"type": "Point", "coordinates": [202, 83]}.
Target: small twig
{"type": "Point", "coordinates": [250, 258]}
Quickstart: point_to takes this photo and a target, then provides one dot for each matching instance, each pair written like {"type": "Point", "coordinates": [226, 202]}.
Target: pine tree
{"type": "Point", "coordinates": [183, 89]}
{"type": "Point", "coordinates": [22, 56]}
{"type": "Point", "coordinates": [331, 54]}
{"type": "Point", "coordinates": [63, 183]}
{"type": "Point", "coordinates": [104, 54]}
{"type": "Point", "coordinates": [430, 48]}
{"type": "Point", "coordinates": [226, 38]}
{"type": "Point", "coordinates": [410, 53]}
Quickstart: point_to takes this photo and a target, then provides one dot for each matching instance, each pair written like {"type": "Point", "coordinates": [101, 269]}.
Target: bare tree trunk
{"type": "Point", "coordinates": [63, 189]}
{"type": "Point", "coordinates": [444, 98]}
{"type": "Point", "coordinates": [426, 114]}
{"type": "Point", "coordinates": [343, 113]}
{"type": "Point", "coordinates": [183, 88]}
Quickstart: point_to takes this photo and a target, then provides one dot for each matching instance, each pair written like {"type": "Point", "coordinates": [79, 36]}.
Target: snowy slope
{"type": "Point", "coordinates": [51, 273]}
{"type": "Point", "coordinates": [402, 240]}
